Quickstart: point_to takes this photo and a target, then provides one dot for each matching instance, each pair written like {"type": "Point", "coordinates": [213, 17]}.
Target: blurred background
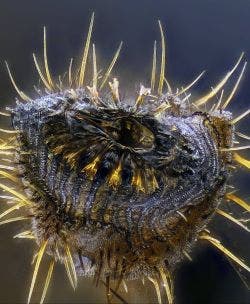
{"type": "Point", "coordinates": [207, 34]}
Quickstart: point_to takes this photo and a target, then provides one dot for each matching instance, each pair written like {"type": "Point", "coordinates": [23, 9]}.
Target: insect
{"type": "Point", "coordinates": [118, 189]}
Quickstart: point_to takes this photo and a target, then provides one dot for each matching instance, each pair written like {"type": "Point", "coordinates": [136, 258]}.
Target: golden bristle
{"type": "Point", "coordinates": [168, 85]}
{"type": "Point", "coordinates": [19, 92]}
{"type": "Point", "coordinates": [36, 269]}
{"type": "Point", "coordinates": [143, 92]}
{"type": "Point", "coordinates": [242, 135]}
{"type": "Point", "coordinates": [9, 168]}
{"type": "Point", "coordinates": [163, 60]}
{"type": "Point", "coordinates": [71, 264]}
{"type": "Point", "coordinates": [5, 114]}
{"type": "Point", "coordinates": [232, 197]}
{"type": "Point", "coordinates": [46, 65]}
{"type": "Point", "coordinates": [235, 148]}
{"type": "Point", "coordinates": [13, 208]}
{"type": "Point", "coordinates": [182, 215]}
{"type": "Point", "coordinates": [223, 249]}
{"type": "Point", "coordinates": [125, 286]}
{"type": "Point", "coordinates": [205, 98]}
{"type": "Point", "coordinates": [15, 193]}
{"type": "Point", "coordinates": [45, 82]}
{"type": "Point", "coordinates": [231, 95]}
{"type": "Point", "coordinates": [14, 219]}
{"type": "Point", "coordinates": [70, 72]}
{"type": "Point", "coordinates": [47, 281]}
{"type": "Point", "coordinates": [241, 160]}
{"type": "Point", "coordinates": [67, 268]}
{"type": "Point", "coordinates": [85, 52]}
{"type": "Point", "coordinates": [187, 256]}
{"type": "Point", "coordinates": [95, 78]}
{"type": "Point", "coordinates": [5, 147]}
{"type": "Point", "coordinates": [108, 291]}
{"type": "Point", "coordinates": [109, 70]}
{"type": "Point", "coordinates": [166, 285]}
{"type": "Point", "coordinates": [153, 73]}
{"type": "Point", "coordinates": [232, 219]}
{"type": "Point", "coordinates": [114, 87]}
{"type": "Point", "coordinates": [237, 119]}
{"type": "Point", "coordinates": [219, 101]}
{"type": "Point", "coordinates": [7, 153]}
{"type": "Point", "coordinates": [9, 176]}
{"type": "Point", "coordinates": [191, 84]}
{"type": "Point", "coordinates": [24, 235]}
{"type": "Point", "coordinates": [10, 131]}
{"type": "Point", "coordinates": [157, 289]}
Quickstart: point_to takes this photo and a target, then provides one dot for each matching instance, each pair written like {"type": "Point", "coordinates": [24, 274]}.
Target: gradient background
{"type": "Point", "coordinates": [208, 34]}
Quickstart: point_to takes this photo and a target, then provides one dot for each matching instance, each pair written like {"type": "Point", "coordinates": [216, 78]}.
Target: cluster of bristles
{"type": "Point", "coordinates": [9, 147]}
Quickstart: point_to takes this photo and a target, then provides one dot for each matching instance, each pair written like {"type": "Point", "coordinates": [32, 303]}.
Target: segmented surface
{"type": "Point", "coordinates": [117, 168]}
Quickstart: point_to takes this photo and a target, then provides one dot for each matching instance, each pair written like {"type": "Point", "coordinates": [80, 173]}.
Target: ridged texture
{"type": "Point", "coordinates": [120, 170]}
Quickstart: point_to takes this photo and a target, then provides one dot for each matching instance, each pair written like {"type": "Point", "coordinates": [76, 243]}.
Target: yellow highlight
{"type": "Point", "coordinates": [91, 168]}
{"type": "Point", "coordinates": [45, 82]}
{"type": "Point", "coordinates": [85, 52]}
{"type": "Point", "coordinates": [16, 194]}
{"type": "Point", "coordinates": [228, 253]}
{"type": "Point", "coordinates": [46, 65]}
{"type": "Point", "coordinates": [70, 72]}
{"type": "Point", "coordinates": [191, 84]}
{"type": "Point", "coordinates": [47, 281]}
{"type": "Point", "coordinates": [163, 59]}
{"type": "Point", "coordinates": [19, 92]}
{"type": "Point", "coordinates": [37, 265]}
{"type": "Point", "coordinates": [153, 73]}
{"type": "Point", "coordinates": [239, 159]}
{"type": "Point", "coordinates": [166, 284]}
{"type": "Point", "coordinates": [115, 178]}
{"type": "Point", "coordinates": [14, 219]}
{"type": "Point", "coordinates": [9, 176]}
{"type": "Point", "coordinates": [59, 149]}
{"type": "Point", "coordinates": [157, 289]}
{"type": "Point", "coordinates": [232, 219]}
{"type": "Point", "coordinates": [13, 208]}
{"type": "Point", "coordinates": [238, 201]}
{"type": "Point", "coordinates": [137, 182]}
{"type": "Point", "coordinates": [219, 86]}
{"type": "Point", "coordinates": [24, 235]}
{"type": "Point", "coordinates": [231, 95]}
{"type": "Point", "coordinates": [109, 69]}
{"type": "Point", "coordinates": [71, 264]}
{"type": "Point", "coordinates": [67, 268]}
{"type": "Point", "coordinates": [237, 119]}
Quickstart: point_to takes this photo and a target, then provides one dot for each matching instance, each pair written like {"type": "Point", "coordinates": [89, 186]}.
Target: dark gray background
{"type": "Point", "coordinates": [206, 34]}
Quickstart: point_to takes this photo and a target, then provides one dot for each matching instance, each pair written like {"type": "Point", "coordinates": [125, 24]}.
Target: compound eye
{"type": "Point", "coordinates": [135, 135]}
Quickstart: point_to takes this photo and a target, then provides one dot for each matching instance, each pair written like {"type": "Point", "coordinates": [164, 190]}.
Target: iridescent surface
{"type": "Point", "coordinates": [199, 36]}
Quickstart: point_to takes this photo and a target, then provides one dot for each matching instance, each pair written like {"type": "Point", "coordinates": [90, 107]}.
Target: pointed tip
{"type": "Point", "coordinates": [163, 60]}
{"type": "Point", "coordinates": [36, 269]}
{"type": "Point", "coordinates": [19, 92]}
{"type": "Point", "coordinates": [220, 85]}
{"type": "Point", "coordinates": [85, 52]}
